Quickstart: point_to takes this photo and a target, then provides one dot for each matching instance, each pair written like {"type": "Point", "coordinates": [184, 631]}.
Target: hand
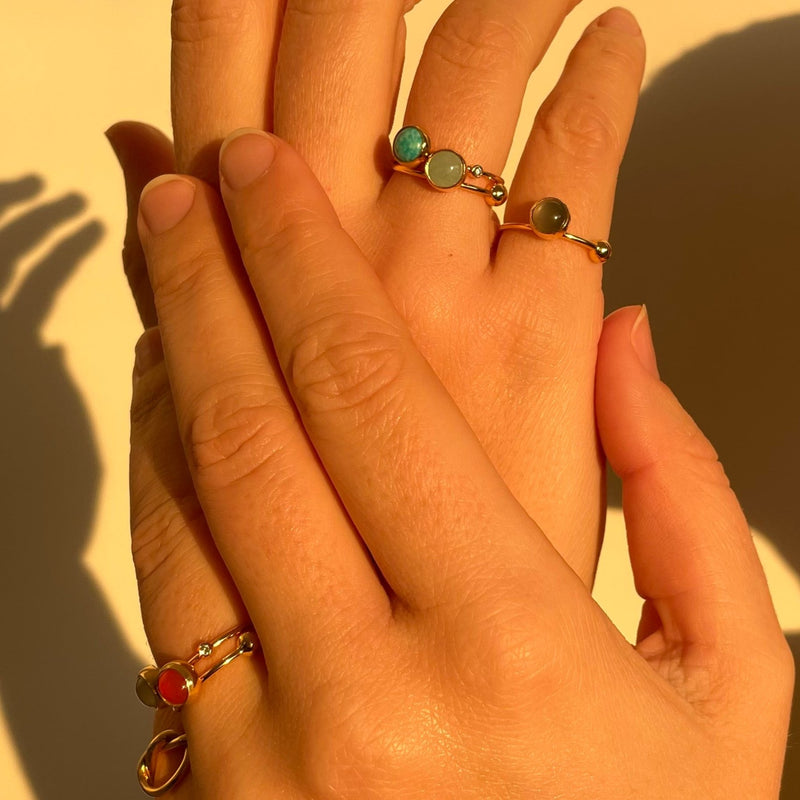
{"type": "Point", "coordinates": [420, 635]}
{"type": "Point", "coordinates": [513, 333]}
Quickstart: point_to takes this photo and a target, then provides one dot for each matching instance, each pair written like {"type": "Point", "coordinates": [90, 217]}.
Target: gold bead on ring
{"type": "Point", "coordinates": [444, 170]}
{"type": "Point", "coordinates": [549, 219]}
{"type": "Point", "coordinates": [174, 683]}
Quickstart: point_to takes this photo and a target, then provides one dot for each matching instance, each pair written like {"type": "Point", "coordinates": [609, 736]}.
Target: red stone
{"type": "Point", "coordinates": [172, 687]}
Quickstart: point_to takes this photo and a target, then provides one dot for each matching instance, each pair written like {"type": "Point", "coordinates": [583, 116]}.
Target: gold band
{"type": "Point", "coordinates": [444, 170]}
{"type": "Point", "coordinates": [549, 219]}
{"type": "Point", "coordinates": [146, 771]}
{"type": "Point", "coordinates": [174, 683]}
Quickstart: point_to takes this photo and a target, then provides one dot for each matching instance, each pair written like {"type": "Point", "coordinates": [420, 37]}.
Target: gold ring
{"type": "Point", "coordinates": [174, 683]}
{"type": "Point", "coordinates": [445, 170]}
{"type": "Point", "coordinates": [146, 772]}
{"type": "Point", "coordinates": [549, 219]}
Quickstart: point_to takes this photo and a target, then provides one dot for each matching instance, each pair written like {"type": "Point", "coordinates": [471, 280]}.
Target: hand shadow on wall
{"type": "Point", "coordinates": [706, 233]}
{"type": "Point", "coordinates": [66, 674]}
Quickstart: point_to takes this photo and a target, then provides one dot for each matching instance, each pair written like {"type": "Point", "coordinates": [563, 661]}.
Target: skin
{"type": "Point", "coordinates": [422, 635]}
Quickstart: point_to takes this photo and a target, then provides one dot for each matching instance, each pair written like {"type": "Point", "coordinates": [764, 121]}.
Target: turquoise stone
{"type": "Point", "coordinates": [445, 169]}
{"type": "Point", "coordinates": [549, 217]}
{"type": "Point", "coordinates": [410, 144]}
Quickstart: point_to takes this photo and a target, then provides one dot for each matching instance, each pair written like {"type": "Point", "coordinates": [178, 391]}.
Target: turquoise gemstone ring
{"type": "Point", "coordinates": [444, 170]}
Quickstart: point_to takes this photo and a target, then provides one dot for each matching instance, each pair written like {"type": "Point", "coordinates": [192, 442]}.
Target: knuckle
{"type": "Point", "coordinates": [295, 234]}
{"type": "Point", "coordinates": [580, 127]}
{"type": "Point", "coordinates": [346, 363]}
{"type": "Point", "coordinates": [238, 429]}
{"type": "Point", "coordinates": [479, 43]}
{"type": "Point", "coordinates": [161, 539]}
{"type": "Point", "coordinates": [151, 402]}
{"type": "Point", "coordinates": [499, 655]}
{"type": "Point", "coordinates": [355, 739]}
{"type": "Point", "coordinates": [182, 277]}
{"type": "Point", "coordinates": [196, 21]}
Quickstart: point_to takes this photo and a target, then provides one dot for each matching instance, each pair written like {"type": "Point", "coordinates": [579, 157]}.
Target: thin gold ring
{"type": "Point", "coordinates": [146, 772]}
{"type": "Point", "coordinates": [549, 219]}
{"type": "Point", "coordinates": [174, 683]}
{"type": "Point", "coordinates": [444, 170]}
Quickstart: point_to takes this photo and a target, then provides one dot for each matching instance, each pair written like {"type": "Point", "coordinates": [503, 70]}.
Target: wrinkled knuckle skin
{"type": "Point", "coordinates": [346, 364]}
{"type": "Point", "coordinates": [236, 431]}
{"type": "Point", "coordinates": [580, 128]}
{"type": "Point", "coordinates": [174, 283]}
{"type": "Point", "coordinates": [196, 21]}
{"type": "Point", "coordinates": [161, 540]}
{"type": "Point", "coordinates": [295, 236]}
{"type": "Point", "coordinates": [475, 45]}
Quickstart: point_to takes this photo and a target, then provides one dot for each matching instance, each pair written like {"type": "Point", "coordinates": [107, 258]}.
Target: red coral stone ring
{"type": "Point", "coordinates": [174, 683]}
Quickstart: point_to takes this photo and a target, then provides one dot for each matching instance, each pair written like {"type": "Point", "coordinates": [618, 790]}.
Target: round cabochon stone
{"type": "Point", "coordinates": [445, 169]}
{"type": "Point", "coordinates": [550, 217]}
{"type": "Point", "coordinates": [410, 144]}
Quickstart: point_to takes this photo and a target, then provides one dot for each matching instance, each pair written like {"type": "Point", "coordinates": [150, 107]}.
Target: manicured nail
{"type": "Point", "coordinates": [149, 352]}
{"type": "Point", "coordinates": [245, 156]}
{"type": "Point", "coordinates": [165, 201]}
{"type": "Point", "coordinates": [642, 341]}
{"type": "Point", "coordinates": [620, 19]}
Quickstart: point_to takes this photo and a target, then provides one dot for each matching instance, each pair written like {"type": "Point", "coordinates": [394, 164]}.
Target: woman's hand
{"type": "Point", "coordinates": [512, 332]}
{"type": "Point", "coordinates": [420, 636]}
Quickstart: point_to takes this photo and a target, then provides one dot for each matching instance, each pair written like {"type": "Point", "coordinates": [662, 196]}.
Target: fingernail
{"type": "Point", "coordinates": [642, 341]}
{"type": "Point", "coordinates": [165, 201]}
{"type": "Point", "coordinates": [620, 19]}
{"type": "Point", "coordinates": [245, 156]}
{"type": "Point", "coordinates": [149, 352]}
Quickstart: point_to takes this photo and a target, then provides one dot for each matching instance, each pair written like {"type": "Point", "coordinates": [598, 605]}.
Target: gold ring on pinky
{"type": "Point", "coordinates": [160, 745]}
{"type": "Point", "coordinates": [445, 170]}
{"type": "Point", "coordinates": [549, 219]}
{"type": "Point", "coordinates": [174, 683]}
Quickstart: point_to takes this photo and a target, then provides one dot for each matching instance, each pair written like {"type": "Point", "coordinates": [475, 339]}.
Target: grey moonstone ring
{"type": "Point", "coordinates": [549, 219]}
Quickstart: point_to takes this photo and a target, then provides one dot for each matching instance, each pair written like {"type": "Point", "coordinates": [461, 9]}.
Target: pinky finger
{"type": "Point", "coordinates": [578, 139]}
{"type": "Point", "coordinates": [185, 591]}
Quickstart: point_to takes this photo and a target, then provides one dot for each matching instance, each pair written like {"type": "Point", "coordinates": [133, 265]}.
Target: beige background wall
{"type": "Point", "coordinates": [706, 215]}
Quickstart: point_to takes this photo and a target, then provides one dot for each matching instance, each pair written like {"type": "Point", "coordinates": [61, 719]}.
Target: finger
{"type": "Point", "coordinates": [467, 95]}
{"type": "Point", "coordinates": [408, 468]}
{"type": "Point", "coordinates": [186, 594]}
{"type": "Point", "coordinates": [280, 530]}
{"type": "Point", "coordinates": [143, 153]}
{"type": "Point", "coordinates": [707, 602]}
{"type": "Point", "coordinates": [353, 47]}
{"type": "Point", "coordinates": [185, 591]}
{"type": "Point", "coordinates": [223, 54]}
{"type": "Point", "coordinates": [574, 152]}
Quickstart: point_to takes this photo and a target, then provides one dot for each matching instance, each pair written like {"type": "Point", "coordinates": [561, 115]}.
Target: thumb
{"type": "Point", "coordinates": [708, 613]}
{"type": "Point", "coordinates": [143, 153]}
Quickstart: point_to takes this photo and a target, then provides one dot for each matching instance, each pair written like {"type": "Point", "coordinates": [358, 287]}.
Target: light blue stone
{"type": "Point", "coordinates": [410, 144]}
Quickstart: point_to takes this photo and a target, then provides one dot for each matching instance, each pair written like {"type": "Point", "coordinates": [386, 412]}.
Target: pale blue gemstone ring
{"type": "Point", "coordinates": [444, 170]}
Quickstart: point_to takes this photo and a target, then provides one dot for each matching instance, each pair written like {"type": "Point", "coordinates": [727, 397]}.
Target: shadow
{"type": "Point", "coordinates": [705, 229]}
{"type": "Point", "coordinates": [66, 676]}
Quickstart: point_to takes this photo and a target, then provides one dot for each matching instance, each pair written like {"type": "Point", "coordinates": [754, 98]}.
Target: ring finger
{"type": "Point", "coordinates": [467, 95]}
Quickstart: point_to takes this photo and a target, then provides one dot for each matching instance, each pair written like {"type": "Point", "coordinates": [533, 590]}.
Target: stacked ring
{"type": "Point", "coordinates": [171, 686]}
{"type": "Point", "coordinates": [549, 219]}
{"type": "Point", "coordinates": [444, 170]}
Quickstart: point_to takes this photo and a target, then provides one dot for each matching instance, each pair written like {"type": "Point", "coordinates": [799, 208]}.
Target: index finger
{"type": "Point", "coordinates": [437, 518]}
